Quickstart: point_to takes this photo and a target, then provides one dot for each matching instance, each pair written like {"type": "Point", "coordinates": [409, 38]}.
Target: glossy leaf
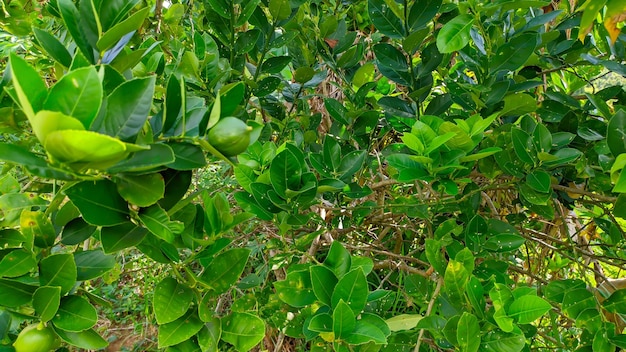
{"type": "Point", "coordinates": [87, 339]}
{"type": "Point", "coordinates": [46, 302]}
{"type": "Point", "coordinates": [76, 231]}
{"type": "Point", "coordinates": [158, 222]}
{"type": "Point", "coordinates": [91, 264]}
{"type": "Point", "coordinates": [141, 190]}
{"type": "Point", "coordinates": [17, 263]}
{"type": "Point", "coordinates": [179, 330]}
{"type": "Point", "coordinates": [58, 270]}
{"type": "Point", "coordinates": [468, 333]}
{"type": "Point", "coordinates": [128, 107]}
{"type": "Point", "coordinates": [527, 309]}
{"type": "Point", "coordinates": [53, 47]}
{"type": "Point", "coordinates": [30, 88]}
{"type": "Point", "coordinates": [114, 34]}
{"type": "Point", "coordinates": [384, 19]}
{"type": "Point", "coordinates": [14, 293]}
{"type": "Point", "coordinates": [75, 314]}
{"type": "Point", "coordinates": [116, 238]}
{"type": "Point", "coordinates": [243, 330]}
{"type": "Point", "coordinates": [77, 94]}
{"type": "Point", "coordinates": [297, 289]}
{"type": "Point", "coordinates": [99, 202]}
{"type": "Point", "coordinates": [338, 259]}
{"type": "Point", "coordinates": [455, 34]}
{"type": "Point", "coordinates": [344, 320]}
{"type": "Point", "coordinates": [615, 135]}
{"type": "Point", "coordinates": [352, 289]}
{"type": "Point", "coordinates": [225, 269]}
{"type": "Point", "coordinates": [171, 300]}
{"type": "Point", "coordinates": [513, 54]}
{"type": "Point", "coordinates": [616, 303]}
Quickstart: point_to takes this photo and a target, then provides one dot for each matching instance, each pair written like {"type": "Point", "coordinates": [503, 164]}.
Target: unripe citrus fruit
{"type": "Point", "coordinates": [230, 136]}
{"type": "Point", "coordinates": [36, 338]}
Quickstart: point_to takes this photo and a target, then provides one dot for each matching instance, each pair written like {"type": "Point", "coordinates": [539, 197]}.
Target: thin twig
{"type": "Point", "coordinates": [429, 309]}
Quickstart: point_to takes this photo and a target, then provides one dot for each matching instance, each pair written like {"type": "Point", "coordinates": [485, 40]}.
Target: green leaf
{"type": "Point", "coordinates": [505, 323]}
{"type": "Point", "coordinates": [225, 269]}
{"type": "Point", "coordinates": [77, 94]}
{"type": "Point", "coordinates": [144, 160]}
{"type": "Point", "coordinates": [338, 259]}
{"type": "Point", "coordinates": [468, 333]}
{"type": "Point", "coordinates": [179, 330]}
{"type": "Point", "coordinates": [323, 281]}
{"type": "Point", "coordinates": [275, 64]}
{"type": "Point", "coordinates": [53, 47]}
{"type": "Point", "coordinates": [71, 17]}
{"type": "Point", "coordinates": [13, 204]}
{"type": "Point", "coordinates": [58, 270]}
{"type": "Point", "coordinates": [455, 279]}
{"type": "Point", "coordinates": [422, 13]}
{"type": "Point", "coordinates": [45, 122]}
{"type": "Point", "coordinates": [352, 289]}
{"type": "Point", "coordinates": [158, 222]}
{"type": "Point", "coordinates": [75, 314]}
{"type": "Point", "coordinates": [616, 303]}
{"type": "Point", "coordinates": [297, 289]}
{"type": "Point", "coordinates": [30, 88]}
{"type": "Point", "coordinates": [87, 339]}
{"type": "Point", "coordinates": [141, 190]}
{"type": "Point", "coordinates": [128, 107]}
{"type": "Point", "coordinates": [286, 172]}
{"type": "Point", "coordinates": [616, 133]}
{"type": "Point", "coordinates": [86, 149]}
{"type": "Point", "coordinates": [36, 225]}
{"type": "Point", "coordinates": [350, 164]}
{"type": "Point", "coordinates": [171, 300]}
{"type": "Point", "coordinates": [344, 320]}
{"type": "Point", "coordinates": [33, 164]}
{"type": "Point", "coordinates": [523, 146]}
{"type": "Point", "coordinates": [527, 309]}
{"type": "Point", "coordinates": [365, 332]}
{"type": "Point", "coordinates": [498, 341]}
{"type": "Point", "coordinates": [321, 322]}
{"type": "Point", "coordinates": [504, 242]}
{"type": "Point", "coordinates": [280, 9]}
{"type": "Point", "coordinates": [403, 322]}
{"type": "Point", "coordinates": [231, 96]}
{"type": "Point", "coordinates": [513, 54]}
{"type": "Point", "coordinates": [188, 156]}
{"type": "Point", "coordinates": [46, 302]}
{"type": "Point", "coordinates": [243, 330]}
{"type": "Point", "coordinates": [392, 63]}
{"type": "Point", "coordinates": [480, 154]}
{"type": "Point", "coordinates": [518, 104]}
{"type": "Point", "coordinates": [384, 19]}
{"type": "Point", "coordinates": [114, 34]}
{"type": "Point", "coordinates": [539, 181]}
{"type": "Point", "coordinates": [76, 231]}
{"type": "Point", "coordinates": [209, 336]}
{"type": "Point", "coordinates": [93, 263]}
{"type": "Point", "coordinates": [14, 293]}
{"type": "Point", "coordinates": [17, 263]}
{"type": "Point", "coordinates": [99, 202]}
{"type": "Point", "coordinates": [303, 74]}
{"type": "Point", "coordinates": [126, 235]}
{"type": "Point", "coordinates": [455, 34]}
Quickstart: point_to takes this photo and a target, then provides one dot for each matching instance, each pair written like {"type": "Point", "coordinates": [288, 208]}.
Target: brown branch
{"type": "Point", "coordinates": [390, 264]}
{"type": "Point", "coordinates": [585, 193]}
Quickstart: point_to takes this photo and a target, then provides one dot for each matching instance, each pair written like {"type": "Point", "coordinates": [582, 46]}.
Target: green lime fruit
{"type": "Point", "coordinates": [36, 338]}
{"type": "Point", "coordinates": [230, 136]}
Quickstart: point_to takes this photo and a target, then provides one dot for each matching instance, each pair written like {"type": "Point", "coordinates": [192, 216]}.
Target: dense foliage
{"type": "Point", "coordinates": [415, 175]}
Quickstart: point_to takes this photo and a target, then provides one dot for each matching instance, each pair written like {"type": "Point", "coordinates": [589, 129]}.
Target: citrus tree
{"type": "Point", "coordinates": [416, 175]}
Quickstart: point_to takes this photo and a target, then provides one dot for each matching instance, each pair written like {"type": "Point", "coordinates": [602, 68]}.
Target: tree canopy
{"type": "Point", "coordinates": [367, 175]}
